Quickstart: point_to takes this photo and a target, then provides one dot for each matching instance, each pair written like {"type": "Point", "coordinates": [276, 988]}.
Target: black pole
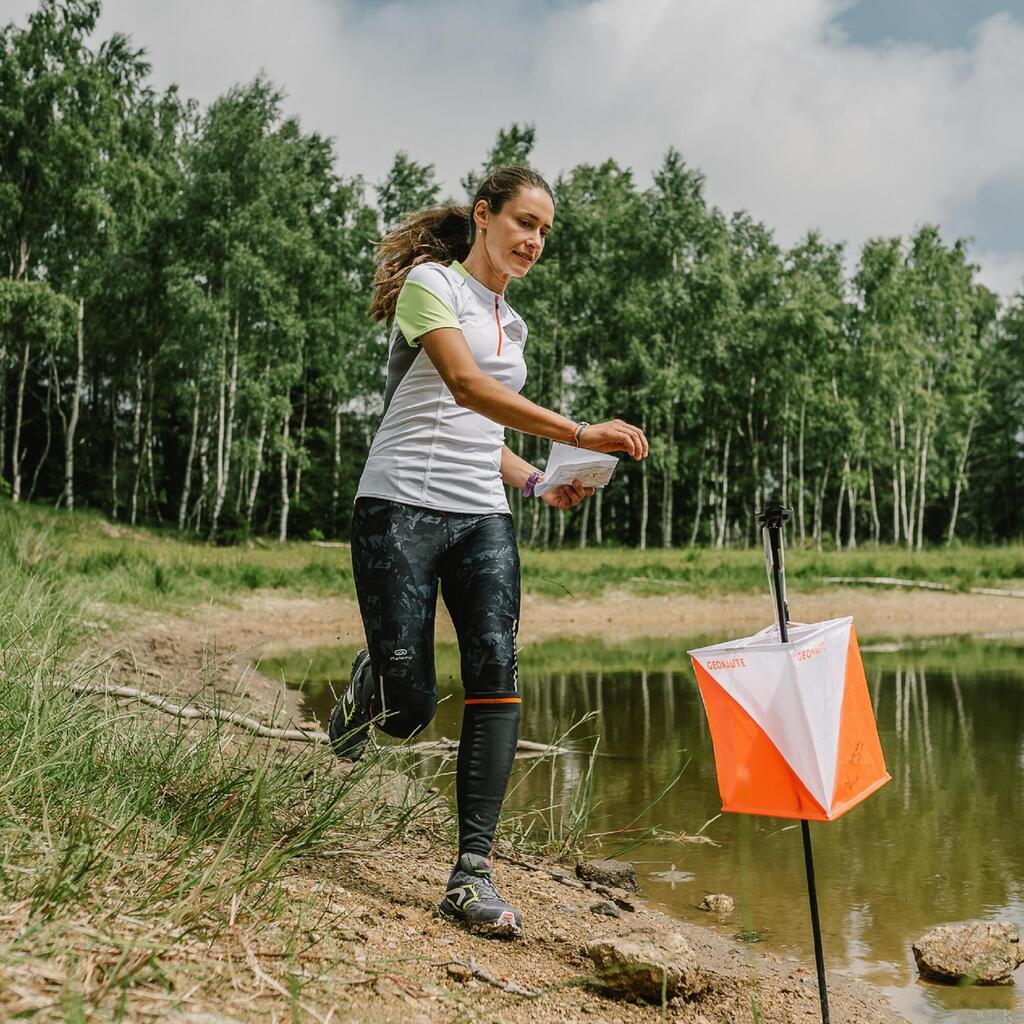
{"type": "Point", "coordinates": [773, 520]}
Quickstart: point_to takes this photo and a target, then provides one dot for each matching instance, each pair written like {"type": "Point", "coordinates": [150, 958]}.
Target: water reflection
{"type": "Point", "coordinates": [940, 843]}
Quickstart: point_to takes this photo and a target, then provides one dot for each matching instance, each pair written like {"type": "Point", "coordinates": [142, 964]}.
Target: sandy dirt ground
{"type": "Point", "coordinates": [218, 649]}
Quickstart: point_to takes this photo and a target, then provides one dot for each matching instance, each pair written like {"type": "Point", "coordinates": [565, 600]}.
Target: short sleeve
{"type": "Point", "coordinates": [425, 303]}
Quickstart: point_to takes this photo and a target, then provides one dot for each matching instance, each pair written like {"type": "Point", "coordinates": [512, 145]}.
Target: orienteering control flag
{"type": "Point", "coordinates": [792, 724]}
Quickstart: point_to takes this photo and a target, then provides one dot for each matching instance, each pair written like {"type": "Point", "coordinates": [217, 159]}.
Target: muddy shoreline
{"type": "Point", "coordinates": [219, 648]}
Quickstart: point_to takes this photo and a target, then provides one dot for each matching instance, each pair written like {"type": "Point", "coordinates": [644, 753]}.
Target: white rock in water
{"type": "Point", "coordinates": [979, 952]}
{"type": "Point", "coordinates": [645, 963]}
{"type": "Point", "coordinates": [718, 903]}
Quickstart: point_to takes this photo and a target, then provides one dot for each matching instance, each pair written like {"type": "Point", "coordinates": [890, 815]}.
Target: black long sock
{"type": "Point", "coordinates": [487, 749]}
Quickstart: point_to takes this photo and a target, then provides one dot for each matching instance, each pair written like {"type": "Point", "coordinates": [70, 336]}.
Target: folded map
{"type": "Point", "coordinates": [567, 463]}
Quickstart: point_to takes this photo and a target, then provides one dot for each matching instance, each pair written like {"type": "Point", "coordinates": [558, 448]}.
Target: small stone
{"type": "Point", "coordinates": [647, 964]}
{"type": "Point", "coordinates": [619, 873]}
{"type": "Point", "coordinates": [605, 907]}
{"type": "Point", "coordinates": [977, 952]}
{"type": "Point", "coordinates": [719, 904]}
{"type": "Point", "coordinates": [460, 972]}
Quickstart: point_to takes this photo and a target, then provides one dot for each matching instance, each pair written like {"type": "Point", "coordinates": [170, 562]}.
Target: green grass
{"type": "Point", "coordinates": [122, 568]}
{"type": "Point", "coordinates": [125, 832]}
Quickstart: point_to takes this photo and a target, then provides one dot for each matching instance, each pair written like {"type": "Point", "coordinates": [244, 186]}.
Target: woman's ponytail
{"type": "Point", "coordinates": [438, 235]}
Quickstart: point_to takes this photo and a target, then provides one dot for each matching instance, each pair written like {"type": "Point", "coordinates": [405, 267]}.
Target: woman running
{"type": "Point", "coordinates": [431, 506]}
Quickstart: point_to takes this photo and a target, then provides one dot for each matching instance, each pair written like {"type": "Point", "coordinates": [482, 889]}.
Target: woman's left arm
{"type": "Point", "coordinates": [515, 471]}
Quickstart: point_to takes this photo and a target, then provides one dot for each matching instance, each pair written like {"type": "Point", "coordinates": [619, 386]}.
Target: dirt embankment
{"type": "Point", "coordinates": [387, 901]}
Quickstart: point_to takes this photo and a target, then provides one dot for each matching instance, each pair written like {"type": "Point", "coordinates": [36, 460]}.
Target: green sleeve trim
{"type": "Point", "coordinates": [419, 310]}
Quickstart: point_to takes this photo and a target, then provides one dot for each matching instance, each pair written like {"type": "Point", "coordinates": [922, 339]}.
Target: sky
{"type": "Point", "coordinates": [857, 118]}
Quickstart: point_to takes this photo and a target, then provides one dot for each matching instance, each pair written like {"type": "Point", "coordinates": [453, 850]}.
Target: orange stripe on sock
{"type": "Point", "coordinates": [495, 700]}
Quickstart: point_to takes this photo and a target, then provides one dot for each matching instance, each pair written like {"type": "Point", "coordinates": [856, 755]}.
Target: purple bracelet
{"type": "Point", "coordinates": [531, 481]}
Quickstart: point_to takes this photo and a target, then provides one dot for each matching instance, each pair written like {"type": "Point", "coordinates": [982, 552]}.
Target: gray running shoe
{"type": "Point", "coordinates": [472, 899]}
{"type": "Point", "coordinates": [349, 724]}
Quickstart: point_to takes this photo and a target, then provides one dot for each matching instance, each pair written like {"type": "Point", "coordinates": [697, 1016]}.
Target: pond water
{"type": "Point", "coordinates": [942, 842]}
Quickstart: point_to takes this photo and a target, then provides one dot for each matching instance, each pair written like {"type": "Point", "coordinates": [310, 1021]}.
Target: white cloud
{"type": "Point", "coordinates": [787, 118]}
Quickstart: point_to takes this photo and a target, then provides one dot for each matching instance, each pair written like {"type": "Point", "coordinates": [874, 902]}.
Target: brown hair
{"type": "Point", "coordinates": [441, 234]}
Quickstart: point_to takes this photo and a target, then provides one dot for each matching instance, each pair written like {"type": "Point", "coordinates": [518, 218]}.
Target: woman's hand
{"type": "Point", "coordinates": [567, 495]}
{"type": "Point", "coordinates": [615, 436]}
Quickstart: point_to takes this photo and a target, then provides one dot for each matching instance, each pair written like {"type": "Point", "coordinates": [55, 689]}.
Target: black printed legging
{"type": "Point", "coordinates": [399, 555]}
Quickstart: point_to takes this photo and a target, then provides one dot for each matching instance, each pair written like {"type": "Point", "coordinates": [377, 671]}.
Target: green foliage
{"type": "Point", "coordinates": [222, 266]}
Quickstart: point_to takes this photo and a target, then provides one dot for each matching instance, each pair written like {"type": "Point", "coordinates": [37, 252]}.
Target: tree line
{"type": "Point", "coordinates": [184, 339]}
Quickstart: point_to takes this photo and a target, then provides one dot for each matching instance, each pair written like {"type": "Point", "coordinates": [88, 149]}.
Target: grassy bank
{"type": "Point", "coordinates": [121, 567]}
{"type": "Point", "coordinates": [132, 842]}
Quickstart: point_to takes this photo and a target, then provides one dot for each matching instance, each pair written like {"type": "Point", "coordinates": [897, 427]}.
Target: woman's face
{"type": "Point", "coordinates": [514, 237]}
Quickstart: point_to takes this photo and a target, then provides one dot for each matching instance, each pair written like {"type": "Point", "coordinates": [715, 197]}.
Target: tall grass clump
{"type": "Point", "coordinates": [123, 831]}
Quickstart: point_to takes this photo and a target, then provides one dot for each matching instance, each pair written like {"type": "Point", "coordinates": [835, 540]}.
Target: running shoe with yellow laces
{"type": "Point", "coordinates": [472, 899]}
{"type": "Point", "coordinates": [349, 725]}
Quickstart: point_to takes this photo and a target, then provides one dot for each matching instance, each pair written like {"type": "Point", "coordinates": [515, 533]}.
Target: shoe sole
{"type": "Point", "coordinates": [505, 927]}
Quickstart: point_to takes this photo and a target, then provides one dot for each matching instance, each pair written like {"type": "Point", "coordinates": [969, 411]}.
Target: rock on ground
{"type": "Point", "coordinates": [647, 964]}
{"type": "Point", "coordinates": [609, 872]}
{"type": "Point", "coordinates": [983, 952]}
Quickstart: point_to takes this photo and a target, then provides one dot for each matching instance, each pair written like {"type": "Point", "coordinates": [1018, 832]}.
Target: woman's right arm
{"type": "Point", "coordinates": [448, 350]}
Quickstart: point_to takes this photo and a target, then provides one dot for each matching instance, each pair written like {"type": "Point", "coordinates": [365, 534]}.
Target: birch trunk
{"type": "Point", "coordinates": [644, 504]}
{"type": "Point", "coordinates": [584, 524]}
{"type": "Point", "coordinates": [136, 441]}
{"type": "Point", "coordinates": [204, 477]}
{"type": "Point", "coordinates": [876, 523]}
{"type": "Point", "coordinates": [19, 407]}
{"type": "Point", "coordinates": [667, 485]}
{"type": "Point", "coordinates": [839, 508]}
{"type": "Point", "coordinates": [3, 404]}
{"type": "Point", "coordinates": [851, 500]}
{"type": "Point", "coordinates": [114, 498]}
{"type": "Point", "coordinates": [915, 485]}
{"type": "Point", "coordinates": [924, 482]}
{"type": "Point", "coordinates": [336, 467]}
{"type": "Point", "coordinates": [561, 527]}
{"type": "Point", "coordinates": [819, 502]}
{"type": "Point", "coordinates": [50, 386]}
{"type": "Point", "coordinates": [76, 399]}
{"type": "Point", "coordinates": [225, 427]}
{"type": "Point", "coordinates": [800, 483]}
{"type": "Point", "coordinates": [282, 527]}
{"type": "Point", "coordinates": [598, 525]}
{"type": "Point", "coordinates": [301, 450]}
{"type": "Point", "coordinates": [700, 504]}
{"type": "Point", "coordinates": [193, 436]}
{"type": "Point", "coordinates": [147, 444]}
{"type": "Point", "coordinates": [257, 468]}
{"type": "Point", "coordinates": [723, 503]}
{"type": "Point", "coordinates": [960, 480]}
{"type": "Point", "coordinates": [904, 514]}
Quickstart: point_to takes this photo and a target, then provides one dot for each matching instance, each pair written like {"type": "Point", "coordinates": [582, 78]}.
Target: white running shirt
{"type": "Point", "coordinates": [429, 451]}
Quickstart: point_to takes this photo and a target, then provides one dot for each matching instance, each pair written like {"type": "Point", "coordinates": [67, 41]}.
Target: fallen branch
{"type": "Point", "coordinates": [472, 968]}
{"type": "Point", "coordinates": [216, 714]}
{"type": "Point", "coordinates": [443, 745]}
{"type": "Point", "coordinates": [892, 581]}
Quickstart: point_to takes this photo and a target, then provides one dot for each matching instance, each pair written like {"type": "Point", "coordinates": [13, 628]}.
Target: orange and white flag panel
{"type": "Point", "coordinates": [792, 725]}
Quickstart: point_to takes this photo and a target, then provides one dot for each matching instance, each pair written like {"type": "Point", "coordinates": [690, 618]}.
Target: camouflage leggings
{"type": "Point", "coordinates": [400, 554]}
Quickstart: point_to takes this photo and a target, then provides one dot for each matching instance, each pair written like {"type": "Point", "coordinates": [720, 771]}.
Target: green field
{"type": "Point", "coordinates": [127, 568]}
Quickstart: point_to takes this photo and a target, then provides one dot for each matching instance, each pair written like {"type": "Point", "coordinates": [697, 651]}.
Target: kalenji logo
{"type": "Point", "coordinates": [726, 663]}
{"type": "Point", "coordinates": [401, 653]}
{"type": "Point", "coordinates": [811, 652]}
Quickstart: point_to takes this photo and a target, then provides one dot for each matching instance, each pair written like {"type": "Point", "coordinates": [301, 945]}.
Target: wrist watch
{"type": "Point", "coordinates": [579, 433]}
